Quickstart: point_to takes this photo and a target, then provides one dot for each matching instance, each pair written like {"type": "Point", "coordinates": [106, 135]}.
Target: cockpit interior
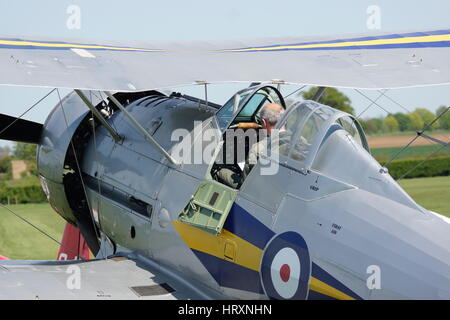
{"type": "Point", "coordinates": [241, 125]}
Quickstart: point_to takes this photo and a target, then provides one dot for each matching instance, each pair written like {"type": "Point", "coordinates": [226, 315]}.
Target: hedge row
{"type": "Point", "coordinates": [439, 166]}
{"type": "Point", "coordinates": [22, 194]}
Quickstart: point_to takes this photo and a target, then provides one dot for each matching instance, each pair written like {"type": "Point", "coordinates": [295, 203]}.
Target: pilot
{"type": "Point", "coordinates": [270, 115]}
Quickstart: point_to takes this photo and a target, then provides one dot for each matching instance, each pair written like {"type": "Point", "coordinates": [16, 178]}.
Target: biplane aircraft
{"type": "Point", "coordinates": [328, 223]}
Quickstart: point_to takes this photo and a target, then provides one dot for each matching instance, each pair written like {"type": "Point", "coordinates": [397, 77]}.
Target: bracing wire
{"type": "Point", "coordinates": [426, 127]}
{"type": "Point", "coordinates": [420, 163]}
{"type": "Point", "coordinates": [396, 102]}
{"type": "Point", "coordinates": [38, 229]}
{"type": "Point", "coordinates": [26, 111]}
{"type": "Point", "coordinates": [371, 104]}
{"type": "Point", "coordinates": [373, 101]}
{"type": "Point", "coordinates": [294, 92]}
{"type": "Point", "coordinates": [12, 211]}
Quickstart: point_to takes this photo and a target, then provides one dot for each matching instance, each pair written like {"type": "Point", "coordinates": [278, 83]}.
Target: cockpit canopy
{"type": "Point", "coordinates": [246, 105]}
{"type": "Point", "coordinates": [305, 128]}
{"type": "Point", "coordinates": [309, 138]}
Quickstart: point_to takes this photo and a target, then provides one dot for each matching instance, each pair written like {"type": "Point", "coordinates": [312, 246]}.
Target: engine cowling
{"type": "Point", "coordinates": [65, 135]}
{"type": "Point", "coordinates": [57, 165]}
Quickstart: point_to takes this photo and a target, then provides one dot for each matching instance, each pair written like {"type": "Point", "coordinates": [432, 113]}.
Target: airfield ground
{"type": "Point", "coordinates": [400, 141]}
{"type": "Point", "coordinates": [431, 193]}
{"type": "Point", "coordinates": [18, 240]}
{"type": "Point", "coordinates": [383, 147]}
{"type": "Point", "coordinates": [384, 154]}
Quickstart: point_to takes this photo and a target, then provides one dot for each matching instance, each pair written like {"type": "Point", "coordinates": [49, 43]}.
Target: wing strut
{"type": "Point", "coordinates": [141, 129]}
{"type": "Point", "coordinates": [98, 115]}
{"type": "Point", "coordinates": [319, 94]}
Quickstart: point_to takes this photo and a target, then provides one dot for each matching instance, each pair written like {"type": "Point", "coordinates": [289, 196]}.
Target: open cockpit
{"type": "Point", "coordinates": [299, 134]}
{"type": "Point", "coordinates": [242, 128]}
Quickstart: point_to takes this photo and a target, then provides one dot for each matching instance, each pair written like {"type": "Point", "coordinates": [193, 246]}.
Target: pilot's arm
{"type": "Point", "coordinates": [253, 155]}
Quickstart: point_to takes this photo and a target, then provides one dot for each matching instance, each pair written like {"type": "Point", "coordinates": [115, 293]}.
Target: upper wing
{"type": "Point", "coordinates": [116, 278]}
{"type": "Point", "coordinates": [370, 62]}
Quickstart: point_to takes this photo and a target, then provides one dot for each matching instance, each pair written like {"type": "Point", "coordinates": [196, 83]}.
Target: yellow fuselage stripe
{"type": "Point", "coordinates": [424, 39]}
{"type": "Point", "coordinates": [246, 254]}
{"type": "Point", "coordinates": [70, 45]}
{"type": "Point", "coordinates": [323, 288]}
{"type": "Point", "coordinates": [375, 42]}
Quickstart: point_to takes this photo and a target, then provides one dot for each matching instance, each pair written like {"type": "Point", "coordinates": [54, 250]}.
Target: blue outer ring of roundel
{"type": "Point", "coordinates": [286, 240]}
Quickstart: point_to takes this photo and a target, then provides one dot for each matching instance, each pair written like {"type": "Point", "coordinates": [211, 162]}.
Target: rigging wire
{"type": "Point", "coordinates": [295, 91]}
{"type": "Point", "coordinates": [12, 211]}
{"type": "Point", "coordinates": [420, 163]}
{"type": "Point", "coordinates": [371, 104]}
{"type": "Point", "coordinates": [39, 229]}
{"type": "Point", "coordinates": [398, 104]}
{"type": "Point", "coordinates": [419, 133]}
{"type": "Point", "coordinates": [26, 111]}
{"type": "Point", "coordinates": [416, 137]}
{"type": "Point", "coordinates": [374, 102]}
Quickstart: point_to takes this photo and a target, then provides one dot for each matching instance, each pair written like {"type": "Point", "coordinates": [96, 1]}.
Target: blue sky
{"type": "Point", "coordinates": [202, 20]}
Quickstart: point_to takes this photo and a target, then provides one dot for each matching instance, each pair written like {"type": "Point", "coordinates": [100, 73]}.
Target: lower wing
{"type": "Point", "coordinates": [116, 278]}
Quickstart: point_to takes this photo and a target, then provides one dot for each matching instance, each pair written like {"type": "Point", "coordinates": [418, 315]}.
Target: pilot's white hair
{"type": "Point", "coordinates": [272, 116]}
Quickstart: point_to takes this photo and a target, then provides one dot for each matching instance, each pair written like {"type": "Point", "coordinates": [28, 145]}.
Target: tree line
{"type": "Point", "coordinates": [394, 122]}
{"type": "Point", "coordinates": [413, 121]}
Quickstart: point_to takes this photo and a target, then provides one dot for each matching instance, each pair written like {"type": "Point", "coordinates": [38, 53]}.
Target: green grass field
{"type": "Point", "coordinates": [384, 154]}
{"type": "Point", "coordinates": [431, 193]}
{"type": "Point", "coordinates": [18, 240]}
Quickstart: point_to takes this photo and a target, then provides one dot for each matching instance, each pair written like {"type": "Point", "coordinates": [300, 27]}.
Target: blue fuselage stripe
{"type": "Point", "coordinates": [382, 37]}
{"type": "Point", "coordinates": [313, 295]}
{"type": "Point", "coordinates": [247, 227]}
{"type": "Point", "coordinates": [229, 274]}
{"type": "Point", "coordinates": [322, 275]}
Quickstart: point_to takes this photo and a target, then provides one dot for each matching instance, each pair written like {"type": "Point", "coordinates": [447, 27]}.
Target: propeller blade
{"type": "Point", "coordinates": [19, 130]}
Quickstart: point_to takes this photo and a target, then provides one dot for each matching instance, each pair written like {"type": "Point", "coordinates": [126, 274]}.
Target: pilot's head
{"type": "Point", "coordinates": [270, 115]}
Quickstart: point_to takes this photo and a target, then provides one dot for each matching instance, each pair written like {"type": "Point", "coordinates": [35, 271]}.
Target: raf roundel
{"type": "Point", "coordinates": [285, 267]}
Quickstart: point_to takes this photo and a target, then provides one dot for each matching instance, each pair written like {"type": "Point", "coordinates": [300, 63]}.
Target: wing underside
{"type": "Point", "coordinates": [361, 61]}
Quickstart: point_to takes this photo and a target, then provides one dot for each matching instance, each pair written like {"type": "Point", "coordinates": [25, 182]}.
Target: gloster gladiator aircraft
{"type": "Point", "coordinates": [162, 226]}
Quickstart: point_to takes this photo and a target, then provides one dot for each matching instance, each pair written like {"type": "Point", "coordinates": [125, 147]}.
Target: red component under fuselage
{"type": "Point", "coordinates": [73, 246]}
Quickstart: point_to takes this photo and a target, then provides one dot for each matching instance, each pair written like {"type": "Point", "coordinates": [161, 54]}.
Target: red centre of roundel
{"type": "Point", "coordinates": [285, 272]}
